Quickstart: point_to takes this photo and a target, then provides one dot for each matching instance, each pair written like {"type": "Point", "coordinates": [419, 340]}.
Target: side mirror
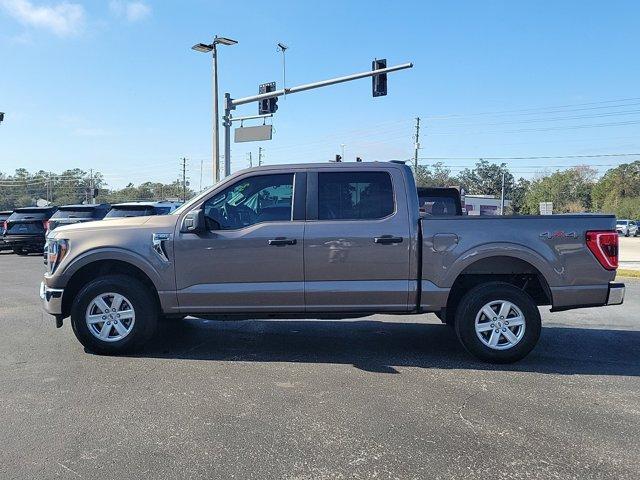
{"type": "Point", "coordinates": [193, 222]}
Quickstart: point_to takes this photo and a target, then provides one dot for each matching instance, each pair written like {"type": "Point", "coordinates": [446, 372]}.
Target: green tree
{"type": "Point", "coordinates": [618, 191]}
{"type": "Point", "coordinates": [569, 190]}
{"type": "Point", "coordinates": [486, 179]}
{"type": "Point", "coordinates": [436, 175]}
{"type": "Point", "coordinates": [518, 194]}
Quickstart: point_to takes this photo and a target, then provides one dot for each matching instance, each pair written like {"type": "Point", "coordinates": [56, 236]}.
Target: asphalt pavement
{"type": "Point", "coordinates": [381, 397]}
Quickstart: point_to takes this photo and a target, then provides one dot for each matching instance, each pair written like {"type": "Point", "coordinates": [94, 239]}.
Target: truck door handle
{"type": "Point", "coordinates": [280, 241]}
{"type": "Point", "coordinates": [387, 239]}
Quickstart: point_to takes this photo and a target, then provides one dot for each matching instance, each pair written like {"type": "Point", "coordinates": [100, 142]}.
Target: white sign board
{"type": "Point", "coordinates": [546, 208]}
{"type": "Point", "coordinates": [253, 134]}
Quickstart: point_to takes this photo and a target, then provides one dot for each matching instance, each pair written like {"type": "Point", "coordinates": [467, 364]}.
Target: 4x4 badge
{"type": "Point", "coordinates": [558, 234]}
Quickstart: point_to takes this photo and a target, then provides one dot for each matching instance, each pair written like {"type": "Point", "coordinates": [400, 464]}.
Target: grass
{"type": "Point", "coordinates": [628, 273]}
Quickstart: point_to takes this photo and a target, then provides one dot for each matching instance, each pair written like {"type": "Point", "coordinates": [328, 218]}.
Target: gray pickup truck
{"type": "Point", "coordinates": [331, 240]}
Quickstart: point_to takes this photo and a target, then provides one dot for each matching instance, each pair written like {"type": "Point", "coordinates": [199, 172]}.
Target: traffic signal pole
{"type": "Point", "coordinates": [231, 104]}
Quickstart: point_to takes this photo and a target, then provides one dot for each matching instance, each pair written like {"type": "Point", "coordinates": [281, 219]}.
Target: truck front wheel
{"type": "Point", "coordinates": [498, 322]}
{"type": "Point", "coordinates": [114, 314]}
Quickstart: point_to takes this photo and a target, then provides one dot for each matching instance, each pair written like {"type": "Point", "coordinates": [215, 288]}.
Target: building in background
{"type": "Point", "coordinates": [483, 205]}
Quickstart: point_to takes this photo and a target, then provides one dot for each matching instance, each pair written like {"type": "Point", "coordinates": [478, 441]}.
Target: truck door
{"type": "Point", "coordinates": [250, 257]}
{"type": "Point", "coordinates": [356, 243]}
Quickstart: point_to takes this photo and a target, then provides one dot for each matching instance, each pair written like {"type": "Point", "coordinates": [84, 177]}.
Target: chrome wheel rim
{"type": "Point", "coordinates": [500, 325]}
{"type": "Point", "coordinates": [110, 317]}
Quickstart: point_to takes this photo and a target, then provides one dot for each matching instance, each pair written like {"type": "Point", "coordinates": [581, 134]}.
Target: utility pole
{"type": "Point", "coordinates": [184, 179]}
{"type": "Point", "coordinates": [259, 156]}
{"type": "Point", "coordinates": [417, 145]}
{"type": "Point", "coordinates": [200, 188]}
{"type": "Point", "coordinates": [502, 196]}
{"type": "Point", "coordinates": [91, 187]}
{"type": "Point", "coordinates": [250, 160]}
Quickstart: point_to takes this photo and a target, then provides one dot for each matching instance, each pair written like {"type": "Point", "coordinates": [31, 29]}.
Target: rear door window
{"type": "Point", "coordinates": [354, 195]}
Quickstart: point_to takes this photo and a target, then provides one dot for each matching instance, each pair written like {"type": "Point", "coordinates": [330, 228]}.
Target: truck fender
{"type": "Point", "coordinates": [546, 266]}
{"type": "Point", "coordinates": [118, 254]}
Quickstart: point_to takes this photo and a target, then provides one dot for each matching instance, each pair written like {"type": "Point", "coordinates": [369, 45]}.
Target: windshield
{"type": "Point", "coordinates": [622, 222]}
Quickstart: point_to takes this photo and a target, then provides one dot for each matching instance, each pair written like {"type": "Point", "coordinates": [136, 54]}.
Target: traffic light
{"type": "Point", "coordinates": [379, 82]}
{"type": "Point", "coordinates": [268, 105]}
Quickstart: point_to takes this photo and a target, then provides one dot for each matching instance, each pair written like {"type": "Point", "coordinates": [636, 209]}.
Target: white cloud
{"type": "Point", "coordinates": [62, 18]}
{"type": "Point", "coordinates": [131, 11]}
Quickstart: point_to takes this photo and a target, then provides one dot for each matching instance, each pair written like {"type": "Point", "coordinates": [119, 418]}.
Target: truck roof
{"type": "Point", "coordinates": [345, 165]}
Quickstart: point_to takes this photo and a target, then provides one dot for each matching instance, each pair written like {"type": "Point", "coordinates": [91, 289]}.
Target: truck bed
{"type": "Point", "coordinates": [552, 247]}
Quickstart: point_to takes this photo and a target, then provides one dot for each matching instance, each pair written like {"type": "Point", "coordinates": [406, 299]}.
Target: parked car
{"type": "Point", "coordinates": [325, 241]}
{"type": "Point", "coordinates": [627, 227]}
{"type": "Point", "coordinates": [71, 214]}
{"type": "Point", "coordinates": [26, 229]}
{"type": "Point", "coordinates": [4, 215]}
{"type": "Point", "coordinates": [141, 209]}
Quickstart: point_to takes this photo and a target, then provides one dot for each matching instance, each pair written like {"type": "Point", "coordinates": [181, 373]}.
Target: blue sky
{"type": "Point", "coordinates": [114, 86]}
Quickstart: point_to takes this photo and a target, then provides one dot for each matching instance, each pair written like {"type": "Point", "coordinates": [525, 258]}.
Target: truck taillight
{"type": "Point", "coordinates": [45, 224]}
{"type": "Point", "coordinates": [5, 226]}
{"type": "Point", "coordinates": [604, 246]}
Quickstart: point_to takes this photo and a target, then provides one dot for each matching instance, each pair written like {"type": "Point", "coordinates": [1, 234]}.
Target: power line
{"type": "Point", "coordinates": [534, 110]}
{"type": "Point", "coordinates": [549, 157]}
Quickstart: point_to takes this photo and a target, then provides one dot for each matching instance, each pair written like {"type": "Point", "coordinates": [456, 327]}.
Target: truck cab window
{"type": "Point", "coordinates": [263, 198]}
{"type": "Point", "coordinates": [354, 195]}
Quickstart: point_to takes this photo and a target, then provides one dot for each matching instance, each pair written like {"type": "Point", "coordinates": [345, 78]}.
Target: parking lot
{"type": "Point", "coordinates": [381, 397]}
{"type": "Point", "coordinates": [630, 253]}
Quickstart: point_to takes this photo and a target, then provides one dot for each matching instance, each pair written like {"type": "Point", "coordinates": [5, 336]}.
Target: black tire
{"type": "Point", "coordinates": [446, 316]}
{"type": "Point", "coordinates": [20, 251]}
{"type": "Point", "coordinates": [472, 303]}
{"type": "Point", "coordinates": [140, 298]}
{"type": "Point", "coordinates": [171, 318]}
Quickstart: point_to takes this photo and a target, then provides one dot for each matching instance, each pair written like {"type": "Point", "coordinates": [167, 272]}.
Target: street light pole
{"type": "Point", "coordinates": [216, 125]}
{"type": "Point", "coordinates": [213, 48]}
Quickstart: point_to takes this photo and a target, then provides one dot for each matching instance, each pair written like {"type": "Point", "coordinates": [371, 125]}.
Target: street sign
{"type": "Point", "coordinates": [253, 134]}
{"type": "Point", "coordinates": [546, 208]}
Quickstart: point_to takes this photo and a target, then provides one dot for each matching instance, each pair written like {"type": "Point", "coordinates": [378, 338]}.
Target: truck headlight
{"type": "Point", "coordinates": [56, 250]}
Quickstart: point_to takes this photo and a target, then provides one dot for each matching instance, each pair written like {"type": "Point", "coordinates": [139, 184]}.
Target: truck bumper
{"type": "Point", "coordinates": [51, 299]}
{"type": "Point", "coordinates": [616, 293]}
{"type": "Point", "coordinates": [584, 296]}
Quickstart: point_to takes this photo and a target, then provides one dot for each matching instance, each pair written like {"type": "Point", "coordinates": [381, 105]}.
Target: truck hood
{"type": "Point", "coordinates": [159, 221]}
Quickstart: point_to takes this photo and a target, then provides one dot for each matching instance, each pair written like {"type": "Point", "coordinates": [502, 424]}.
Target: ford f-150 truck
{"type": "Point", "coordinates": [335, 240]}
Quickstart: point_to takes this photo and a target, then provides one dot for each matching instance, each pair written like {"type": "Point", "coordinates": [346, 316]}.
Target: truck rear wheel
{"type": "Point", "coordinates": [498, 322]}
{"type": "Point", "coordinates": [114, 314]}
